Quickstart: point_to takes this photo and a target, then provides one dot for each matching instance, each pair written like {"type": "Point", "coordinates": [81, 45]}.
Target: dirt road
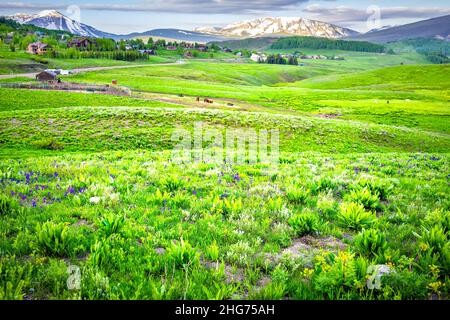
{"type": "Point", "coordinates": [33, 75]}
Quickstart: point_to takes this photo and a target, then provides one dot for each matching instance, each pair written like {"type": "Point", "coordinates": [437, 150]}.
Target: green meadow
{"type": "Point", "coordinates": [362, 181]}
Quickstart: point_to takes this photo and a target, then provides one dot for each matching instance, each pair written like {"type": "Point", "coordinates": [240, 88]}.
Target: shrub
{"type": "Point", "coordinates": [371, 243]}
{"type": "Point", "coordinates": [48, 144]}
{"type": "Point", "coordinates": [54, 239]}
{"type": "Point", "coordinates": [353, 216]}
{"type": "Point", "coordinates": [305, 223]}
{"type": "Point", "coordinates": [365, 197]}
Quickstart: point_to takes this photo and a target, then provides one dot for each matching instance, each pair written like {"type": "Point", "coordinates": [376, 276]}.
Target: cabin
{"type": "Point", "coordinates": [227, 50]}
{"type": "Point", "coordinates": [171, 48]}
{"type": "Point", "coordinates": [80, 43]}
{"type": "Point", "coordinates": [188, 54]}
{"type": "Point", "coordinates": [202, 48]}
{"type": "Point", "coordinates": [37, 48]}
{"type": "Point", "coordinates": [46, 76]}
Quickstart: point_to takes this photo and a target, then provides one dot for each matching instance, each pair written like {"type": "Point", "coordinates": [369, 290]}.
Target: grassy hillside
{"type": "Point", "coordinates": [423, 77]}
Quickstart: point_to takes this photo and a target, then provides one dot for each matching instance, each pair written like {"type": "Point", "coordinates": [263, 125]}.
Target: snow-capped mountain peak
{"type": "Point", "coordinates": [54, 20]}
{"type": "Point", "coordinates": [280, 26]}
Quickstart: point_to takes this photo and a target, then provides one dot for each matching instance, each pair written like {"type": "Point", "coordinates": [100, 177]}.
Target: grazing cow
{"type": "Point", "coordinates": [207, 100]}
{"type": "Point", "coordinates": [197, 99]}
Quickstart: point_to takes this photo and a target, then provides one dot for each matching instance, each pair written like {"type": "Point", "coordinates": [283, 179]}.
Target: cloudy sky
{"type": "Point", "coordinates": [140, 15]}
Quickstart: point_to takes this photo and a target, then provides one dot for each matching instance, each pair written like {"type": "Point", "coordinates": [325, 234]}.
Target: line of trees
{"type": "Point", "coordinates": [324, 43]}
{"type": "Point", "coordinates": [278, 59]}
{"type": "Point", "coordinates": [112, 55]}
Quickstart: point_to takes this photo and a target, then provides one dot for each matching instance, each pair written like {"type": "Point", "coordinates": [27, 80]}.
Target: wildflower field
{"type": "Point", "coordinates": [93, 207]}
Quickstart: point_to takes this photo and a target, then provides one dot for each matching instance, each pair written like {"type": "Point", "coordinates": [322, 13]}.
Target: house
{"type": "Point", "coordinates": [80, 43]}
{"type": "Point", "coordinates": [37, 48]}
{"type": "Point", "coordinates": [187, 45]}
{"type": "Point", "coordinates": [171, 48]}
{"type": "Point", "coordinates": [239, 54]}
{"type": "Point", "coordinates": [258, 57]}
{"type": "Point", "coordinates": [188, 54]}
{"type": "Point", "coordinates": [227, 50]}
{"type": "Point", "coordinates": [46, 76]}
{"type": "Point", "coordinates": [150, 52]}
{"type": "Point", "coordinates": [202, 48]}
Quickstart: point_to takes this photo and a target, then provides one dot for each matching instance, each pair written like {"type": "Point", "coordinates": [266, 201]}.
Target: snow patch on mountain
{"type": "Point", "coordinates": [279, 26]}
{"type": "Point", "coordinates": [54, 20]}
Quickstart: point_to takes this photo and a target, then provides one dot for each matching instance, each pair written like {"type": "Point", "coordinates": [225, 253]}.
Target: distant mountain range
{"type": "Point", "coordinates": [263, 27]}
{"type": "Point", "coordinates": [284, 26]}
{"type": "Point", "coordinates": [432, 28]}
{"type": "Point", "coordinates": [54, 20]}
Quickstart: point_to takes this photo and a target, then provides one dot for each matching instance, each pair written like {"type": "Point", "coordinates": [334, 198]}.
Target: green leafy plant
{"type": "Point", "coordinates": [305, 223]}
{"type": "Point", "coordinates": [54, 239]}
{"type": "Point", "coordinates": [5, 205]}
{"type": "Point", "coordinates": [112, 224]}
{"type": "Point", "coordinates": [365, 197]}
{"type": "Point", "coordinates": [371, 243]}
{"type": "Point", "coordinates": [182, 254]}
{"type": "Point", "coordinates": [172, 183]}
{"type": "Point", "coordinates": [335, 275]}
{"type": "Point", "coordinates": [353, 216]}
{"type": "Point", "coordinates": [297, 195]}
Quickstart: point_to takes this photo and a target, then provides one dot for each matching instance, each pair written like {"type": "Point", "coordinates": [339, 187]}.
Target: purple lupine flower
{"type": "Point", "coordinates": [12, 193]}
{"type": "Point", "coordinates": [44, 200]}
{"type": "Point", "coordinates": [55, 174]}
{"type": "Point", "coordinates": [23, 197]}
{"type": "Point", "coordinates": [237, 177]}
{"type": "Point", "coordinates": [37, 187]}
{"type": "Point", "coordinates": [194, 192]}
{"type": "Point", "coordinates": [70, 190]}
{"type": "Point", "coordinates": [33, 203]}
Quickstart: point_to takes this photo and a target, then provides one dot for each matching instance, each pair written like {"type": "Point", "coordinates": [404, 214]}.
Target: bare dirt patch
{"type": "Point", "coordinates": [307, 247]}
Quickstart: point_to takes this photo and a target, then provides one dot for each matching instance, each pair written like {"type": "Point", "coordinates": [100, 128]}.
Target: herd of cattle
{"type": "Point", "coordinates": [206, 100]}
